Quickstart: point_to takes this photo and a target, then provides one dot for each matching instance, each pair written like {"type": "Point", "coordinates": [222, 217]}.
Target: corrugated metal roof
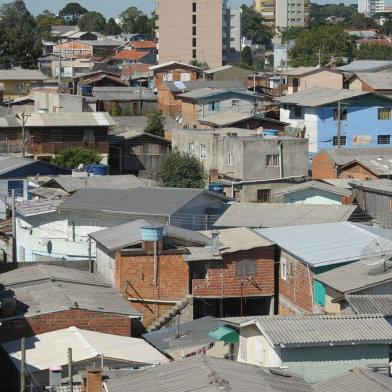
{"type": "Point", "coordinates": [218, 69]}
{"type": "Point", "coordinates": [324, 244]}
{"type": "Point", "coordinates": [70, 120]}
{"type": "Point", "coordinates": [382, 185]}
{"type": "Point", "coordinates": [37, 207]}
{"type": "Point", "coordinates": [203, 93]}
{"type": "Point", "coordinates": [235, 85]}
{"type": "Point", "coordinates": [324, 329]}
{"type": "Point", "coordinates": [376, 80]}
{"type": "Point", "coordinates": [370, 304]}
{"type": "Point", "coordinates": [50, 348]}
{"type": "Point", "coordinates": [377, 165]}
{"type": "Point", "coordinates": [124, 93]}
{"type": "Point", "coordinates": [226, 118]}
{"type": "Point", "coordinates": [317, 96]}
{"type": "Point", "coordinates": [357, 380]}
{"type": "Point", "coordinates": [301, 71]}
{"type": "Point", "coordinates": [207, 374]}
{"type": "Point", "coordinates": [366, 66]}
{"type": "Point", "coordinates": [342, 156]}
{"type": "Point", "coordinates": [22, 74]}
{"type": "Point", "coordinates": [10, 122]}
{"type": "Point", "coordinates": [314, 185]}
{"type": "Point", "coordinates": [256, 215]}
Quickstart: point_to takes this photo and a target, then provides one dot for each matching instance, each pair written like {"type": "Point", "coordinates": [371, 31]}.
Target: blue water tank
{"type": "Point", "coordinates": [97, 169]}
{"type": "Point", "coordinates": [216, 187]}
{"type": "Point", "coordinates": [270, 132]}
{"type": "Point", "coordinates": [86, 90]}
{"type": "Point", "coordinates": [152, 233]}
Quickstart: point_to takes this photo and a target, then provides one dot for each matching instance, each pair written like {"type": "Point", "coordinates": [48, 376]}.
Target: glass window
{"type": "Point", "coordinates": [17, 186]}
{"type": "Point", "coordinates": [193, 30]}
{"type": "Point", "coordinates": [230, 159]}
{"type": "Point", "coordinates": [193, 42]}
{"type": "Point", "coordinates": [193, 7]}
{"type": "Point", "coordinates": [343, 140]}
{"type": "Point", "coordinates": [246, 268]}
{"type": "Point", "coordinates": [264, 195]}
{"type": "Point", "coordinates": [214, 106]}
{"type": "Point", "coordinates": [343, 114]}
{"type": "Point", "coordinates": [272, 160]}
{"type": "Point", "coordinates": [384, 113]}
{"type": "Point", "coordinates": [193, 19]}
{"type": "Point", "coordinates": [203, 151]}
{"type": "Point", "coordinates": [191, 149]}
{"type": "Point", "coordinates": [88, 135]}
{"type": "Point", "coordinates": [384, 139]}
{"type": "Point", "coordinates": [283, 268]}
{"type": "Point", "coordinates": [194, 53]}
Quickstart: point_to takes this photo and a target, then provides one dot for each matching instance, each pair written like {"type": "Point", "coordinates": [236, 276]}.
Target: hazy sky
{"type": "Point", "coordinates": [111, 7]}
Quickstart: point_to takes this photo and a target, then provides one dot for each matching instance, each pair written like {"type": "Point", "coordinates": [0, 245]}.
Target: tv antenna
{"type": "Point", "coordinates": [378, 254]}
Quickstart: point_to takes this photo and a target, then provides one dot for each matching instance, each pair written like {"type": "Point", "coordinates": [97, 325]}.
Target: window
{"type": "Point", "coordinates": [384, 113]}
{"type": "Point", "coordinates": [19, 88]}
{"type": "Point", "coordinates": [283, 268]}
{"type": "Point", "coordinates": [264, 195]}
{"type": "Point", "coordinates": [193, 7]}
{"type": "Point", "coordinates": [194, 53]}
{"type": "Point", "coordinates": [191, 149]}
{"type": "Point", "coordinates": [185, 76]}
{"type": "Point", "coordinates": [168, 77]}
{"type": "Point", "coordinates": [343, 140]}
{"type": "Point", "coordinates": [193, 42]}
{"type": "Point", "coordinates": [272, 160]}
{"type": "Point", "coordinates": [199, 270]}
{"type": "Point", "coordinates": [193, 30]}
{"type": "Point", "coordinates": [214, 106]}
{"type": "Point", "coordinates": [17, 186]}
{"type": "Point", "coordinates": [88, 135]}
{"type": "Point", "coordinates": [246, 268]}
{"type": "Point", "coordinates": [203, 151]}
{"type": "Point", "coordinates": [343, 114]}
{"type": "Point", "coordinates": [298, 112]}
{"type": "Point", "coordinates": [230, 159]}
{"type": "Point", "coordinates": [384, 139]}
{"type": "Point", "coordinates": [194, 19]}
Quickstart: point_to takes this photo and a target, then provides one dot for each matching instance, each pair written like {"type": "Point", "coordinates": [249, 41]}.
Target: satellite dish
{"type": "Point", "coordinates": [378, 254]}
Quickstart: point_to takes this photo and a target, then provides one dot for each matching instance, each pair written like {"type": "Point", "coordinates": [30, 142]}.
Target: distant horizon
{"type": "Point", "coordinates": [114, 7]}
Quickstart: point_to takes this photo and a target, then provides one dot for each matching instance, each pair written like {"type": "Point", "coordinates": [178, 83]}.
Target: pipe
{"type": "Point", "coordinates": [280, 159]}
{"type": "Point", "coordinates": [155, 263]}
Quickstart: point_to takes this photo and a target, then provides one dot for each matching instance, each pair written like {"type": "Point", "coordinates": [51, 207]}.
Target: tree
{"type": "Point", "coordinates": [92, 21]}
{"type": "Point", "coordinates": [71, 158]}
{"type": "Point", "coordinates": [291, 33]}
{"type": "Point", "coordinates": [374, 52]}
{"type": "Point", "coordinates": [253, 27]}
{"type": "Point", "coordinates": [360, 21]}
{"type": "Point", "coordinates": [45, 21]}
{"type": "Point", "coordinates": [134, 21]}
{"type": "Point", "coordinates": [386, 28]}
{"type": "Point", "coordinates": [322, 42]}
{"type": "Point", "coordinates": [181, 170]}
{"type": "Point", "coordinates": [112, 28]}
{"type": "Point", "coordinates": [200, 64]}
{"type": "Point", "coordinates": [246, 56]}
{"type": "Point", "coordinates": [155, 123]}
{"type": "Point", "coordinates": [72, 12]}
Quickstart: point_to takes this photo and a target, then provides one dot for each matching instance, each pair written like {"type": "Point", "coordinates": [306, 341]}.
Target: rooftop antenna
{"type": "Point", "coordinates": [378, 254]}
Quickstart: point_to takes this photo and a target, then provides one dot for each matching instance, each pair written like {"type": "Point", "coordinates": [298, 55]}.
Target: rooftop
{"type": "Point", "coordinates": [124, 93]}
{"type": "Point", "coordinates": [39, 206]}
{"type": "Point", "coordinates": [300, 71]}
{"type": "Point", "coordinates": [225, 119]}
{"type": "Point", "coordinates": [342, 156]}
{"type": "Point", "coordinates": [9, 122]}
{"type": "Point", "coordinates": [366, 66]}
{"type": "Point", "coordinates": [130, 55]}
{"type": "Point", "coordinates": [256, 215]}
{"type": "Point", "coordinates": [380, 166]}
{"type": "Point", "coordinates": [44, 350]}
{"type": "Point", "coordinates": [218, 69]}
{"type": "Point", "coordinates": [322, 186]}
{"type": "Point", "coordinates": [318, 330]}
{"type": "Point", "coordinates": [207, 374]}
{"type": "Point", "coordinates": [22, 74]}
{"type": "Point", "coordinates": [182, 87]}
{"type": "Point", "coordinates": [370, 304]}
{"type": "Point", "coordinates": [84, 119]}
{"type": "Point", "coordinates": [383, 185]}
{"type": "Point", "coordinates": [175, 63]}
{"type": "Point", "coordinates": [326, 244]}
{"type": "Point", "coordinates": [376, 80]}
{"type": "Point", "coordinates": [143, 44]}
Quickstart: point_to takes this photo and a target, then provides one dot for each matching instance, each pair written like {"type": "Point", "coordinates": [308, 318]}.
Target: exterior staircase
{"type": "Point", "coordinates": [170, 314]}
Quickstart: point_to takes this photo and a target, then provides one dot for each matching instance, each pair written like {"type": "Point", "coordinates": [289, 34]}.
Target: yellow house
{"type": "Point", "coordinates": [18, 82]}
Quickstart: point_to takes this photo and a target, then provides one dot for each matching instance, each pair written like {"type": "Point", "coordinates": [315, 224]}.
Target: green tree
{"type": "Point", "coordinates": [92, 21]}
{"type": "Point", "coordinates": [360, 21]}
{"type": "Point", "coordinates": [291, 33]}
{"type": "Point", "coordinates": [386, 28]}
{"type": "Point", "coordinates": [155, 123]}
{"type": "Point", "coordinates": [112, 28]}
{"type": "Point", "coordinates": [246, 56]}
{"type": "Point", "coordinates": [45, 21]}
{"type": "Point", "coordinates": [253, 27]}
{"type": "Point", "coordinates": [374, 52]}
{"type": "Point", "coordinates": [134, 21]}
{"type": "Point", "coordinates": [329, 41]}
{"type": "Point", "coordinates": [71, 158]}
{"type": "Point", "coordinates": [181, 170]}
{"type": "Point", "coordinates": [200, 64]}
{"type": "Point", "coordinates": [72, 12]}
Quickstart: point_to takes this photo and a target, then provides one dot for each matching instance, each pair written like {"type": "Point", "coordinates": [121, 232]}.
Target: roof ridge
{"type": "Point", "coordinates": [84, 341]}
{"type": "Point", "coordinates": [369, 374]}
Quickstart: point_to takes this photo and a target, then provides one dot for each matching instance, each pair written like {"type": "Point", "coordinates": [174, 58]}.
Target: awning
{"type": "Point", "coordinates": [225, 334]}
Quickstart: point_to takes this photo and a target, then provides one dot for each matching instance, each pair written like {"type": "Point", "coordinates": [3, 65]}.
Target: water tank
{"type": "Point", "coordinates": [97, 169]}
{"type": "Point", "coordinates": [55, 376]}
{"type": "Point", "coordinates": [152, 233]}
{"type": "Point", "coordinates": [86, 90]}
{"type": "Point", "coordinates": [270, 132]}
{"type": "Point", "coordinates": [216, 187]}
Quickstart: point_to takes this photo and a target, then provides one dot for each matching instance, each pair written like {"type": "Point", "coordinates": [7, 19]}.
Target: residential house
{"type": "Point", "coordinates": [316, 347]}
{"type": "Point", "coordinates": [308, 251]}
{"type": "Point", "coordinates": [304, 78]}
{"type": "Point", "coordinates": [79, 35]}
{"type": "Point", "coordinates": [208, 375]}
{"type": "Point", "coordinates": [85, 48]}
{"type": "Point", "coordinates": [363, 118]}
{"type": "Point", "coordinates": [18, 82]}
{"type": "Point", "coordinates": [237, 278]}
{"type": "Point", "coordinates": [142, 45]}
{"type": "Point", "coordinates": [354, 279]}
{"type": "Point", "coordinates": [230, 153]}
{"type": "Point", "coordinates": [48, 134]}
{"type": "Point", "coordinates": [45, 298]}
{"type": "Point", "coordinates": [379, 82]}
{"type": "Point", "coordinates": [128, 57]}
{"type": "Point", "coordinates": [97, 78]}
{"type": "Point", "coordinates": [89, 350]}
{"type": "Point", "coordinates": [199, 104]}
{"type": "Point", "coordinates": [353, 163]}
{"type": "Point", "coordinates": [257, 215]}
{"type": "Point", "coordinates": [60, 30]}
{"type": "Point", "coordinates": [313, 192]}
{"type": "Point", "coordinates": [70, 67]}
{"type": "Point", "coordinates": [228, 72]}
{"type": "Point", "coordinates": [374, 197]}
{"type": "Point", "coordinates": [10, 134]}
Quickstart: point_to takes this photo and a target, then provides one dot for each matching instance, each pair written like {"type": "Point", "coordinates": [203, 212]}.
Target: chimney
{"type": "Point", "coordinates": [93, 381]}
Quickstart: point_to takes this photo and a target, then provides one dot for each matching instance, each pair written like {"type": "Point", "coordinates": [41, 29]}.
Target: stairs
{"type": "Point", "coordinates": [167, 316]}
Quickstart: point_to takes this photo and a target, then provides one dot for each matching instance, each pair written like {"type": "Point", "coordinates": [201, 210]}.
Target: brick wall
{"type": "Point", "coordinates": [93, 321]}
{"type": "Point", "coordinates": [298, 286]}
{"type": "Point", "coordinates": [323, 167]}
{"type": "Point", "coordinates": [262, 283]}
{"type": "Point", "coordinates": [357, 172]}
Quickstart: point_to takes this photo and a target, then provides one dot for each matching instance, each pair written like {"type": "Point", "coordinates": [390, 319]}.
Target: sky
{"type": "Point", "coordinates": [112, 8]}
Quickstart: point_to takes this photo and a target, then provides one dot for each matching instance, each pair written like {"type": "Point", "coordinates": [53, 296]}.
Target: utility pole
{"type": "Point", "coordinates": [24, 120]}
{"type": "Point", "coordinates": [59, 76]}
{"type": "Point", "coordinates": [22, 364]}
{"type": "Point", "coordinates": [70, 377]}
{"type": "Point", "coordinates": [14, 255]}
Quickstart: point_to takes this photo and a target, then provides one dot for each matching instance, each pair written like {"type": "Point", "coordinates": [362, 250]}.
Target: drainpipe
{"type": "Point", "coordinates": [280, 145]}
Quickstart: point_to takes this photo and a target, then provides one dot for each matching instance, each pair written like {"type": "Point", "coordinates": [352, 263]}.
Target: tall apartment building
{"type": "Point", "coordinates": [283, 13]}
{"type": "Point", "coordinates": [193, 29]}
{"type": "Point", "coordinates": [371, 7]}
{"type": "Point", "coordinates": [233, 52]}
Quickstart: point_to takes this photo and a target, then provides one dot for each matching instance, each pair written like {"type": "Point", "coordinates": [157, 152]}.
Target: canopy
{"type": "Point", "coordinates": [225, 334]}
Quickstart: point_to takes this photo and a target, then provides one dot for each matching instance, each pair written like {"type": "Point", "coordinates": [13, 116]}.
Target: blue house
{"type": "Point", "coordinates": [365, 117]}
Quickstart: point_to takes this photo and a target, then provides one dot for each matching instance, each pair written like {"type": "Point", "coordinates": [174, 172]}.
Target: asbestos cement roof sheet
{"type": "Point", "coordinates": [366, 66]}
{"type": "Point", "coordinates": [39, 206]}
{"type": "Point", "coordinates": [21, 74]}
{"type": "Point", "coordinates": [324, 329]}
{"type": "Point", "coordinates": [256, 215]}
{"type": "Point", "coordinates": [316, 185]}
{"type": "Point", "coordinates": [50, 348]}
{"type": "Point", "coordinates": [376, 80]}
{"type": "Point", "coordinates": [325, 244]}
{"type": "Point", "coordinates": [10, 122]}
{"type": "Point", "coordinates": [234, 85]}
{"type": "Point", "coordinates": [225, 119]}
{"type": "Point", "coordinates": [100, 119]}
{"type": "Point", "coordinates": [342, 156]}
{"type": "Point", "coordinates": [382, 185]}
{"type": "Point", "coordinates": [371, 304]}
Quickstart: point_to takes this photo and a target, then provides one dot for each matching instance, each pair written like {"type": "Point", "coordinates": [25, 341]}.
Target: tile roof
{"type": "Point", "coordinates": [370, 304]}
{"type": "Point", "coordinates": [22, 74]}
{"type": "Point", "coordinates": [207, 374]}
{"type": "Point", "coordinates": [322, 186]}
{"type": "Point", "coordinates": [324, 329]}
{"type": "Point", "coordinates": [37, 207]}
{"type": "Point", "coordinates": [70, 120]}
{"type": "Point", "coordinates": [50, 348]}
{"type": "Point", "coordinates": [319, 96]}
{"type": "Point", "coordinates": [357, 380]}
{"type": "Point", "coordinates": [130, 55]}
{"type": "Point", "coordinates": [225, 119]}
{"type": "Point", "coordinates": [325, 244]}
{"type": "Point", "coordinates": [143, 44]}
{"type": "Point", "coordinates": [257, 215]}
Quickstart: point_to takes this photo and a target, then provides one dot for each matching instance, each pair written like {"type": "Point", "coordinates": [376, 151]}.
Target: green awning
{"type": "Point", "coordinates": [225, 334]}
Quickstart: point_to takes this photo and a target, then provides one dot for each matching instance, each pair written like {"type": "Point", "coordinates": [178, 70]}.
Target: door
{"type": "Point", "coordinates": [259, 353]}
